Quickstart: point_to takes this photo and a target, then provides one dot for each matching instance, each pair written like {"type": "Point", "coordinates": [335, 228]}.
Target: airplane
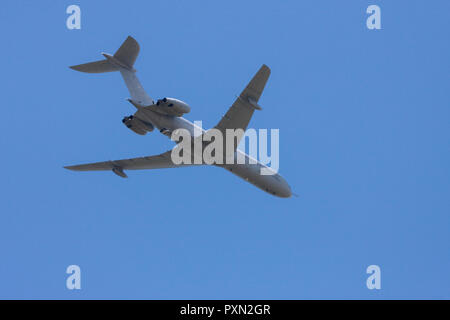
{"type": "Point", "coordinates": [166, 115]}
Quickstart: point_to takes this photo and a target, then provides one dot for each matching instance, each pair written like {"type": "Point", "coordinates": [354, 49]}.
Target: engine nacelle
{"type": "Point", "coordinates": [137, 125]}
{"type": "Point", "coordinates": [171, 107]}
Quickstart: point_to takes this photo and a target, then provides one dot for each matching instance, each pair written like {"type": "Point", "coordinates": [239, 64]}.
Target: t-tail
{"type": "Point", "coordinates": [122, 61]}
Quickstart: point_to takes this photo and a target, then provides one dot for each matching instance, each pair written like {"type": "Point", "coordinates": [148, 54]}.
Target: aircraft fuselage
{"type": "Point", "coordinates": [251, 172]}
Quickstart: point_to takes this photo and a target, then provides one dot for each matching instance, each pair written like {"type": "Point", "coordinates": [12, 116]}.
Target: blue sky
{"type": "Point", "coordinates": [364, 140]}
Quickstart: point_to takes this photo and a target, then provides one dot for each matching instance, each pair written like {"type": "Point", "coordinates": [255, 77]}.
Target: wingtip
{"type": "Point", "coordinates": [130, 39]}
{"type": "Point", "coordinates": [76, 68]}
{"type": "Point", "coordinates": [265, 66]}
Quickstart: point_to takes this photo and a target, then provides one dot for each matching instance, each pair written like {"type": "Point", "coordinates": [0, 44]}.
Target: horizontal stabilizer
{"type": "Point", "coordinates": [123, 61]}
{"type": "Point", "coordinates": [95, 67]}
{"type": "Point", "coordinates": [125, 58]}
{"type": "Point", "coordinates": [128, 52]}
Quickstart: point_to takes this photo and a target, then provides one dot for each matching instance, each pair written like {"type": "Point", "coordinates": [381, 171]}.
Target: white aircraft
{"type": "Point", "coordinates": [166, 115]}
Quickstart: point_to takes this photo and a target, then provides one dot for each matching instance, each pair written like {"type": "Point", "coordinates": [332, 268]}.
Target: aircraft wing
{"type": "Point", "coordinates": [163, 160]}
{"type": "Point", "coordinates": [240, 113]}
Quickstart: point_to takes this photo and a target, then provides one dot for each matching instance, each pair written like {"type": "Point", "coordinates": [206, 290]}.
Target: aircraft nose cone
{"type": "Point", "coordinates": [285, 192]}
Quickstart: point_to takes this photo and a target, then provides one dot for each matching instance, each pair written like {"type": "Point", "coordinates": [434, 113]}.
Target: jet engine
{"type": "Point", "coordinates": [137, 125]}
{"type": "Point", "coordinates": [171, 107]}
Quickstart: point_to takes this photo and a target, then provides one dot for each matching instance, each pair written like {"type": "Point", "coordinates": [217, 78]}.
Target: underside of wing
{"type": "Point", "coordinates": [240, 113]}
{"type": "Point", "coordinates": [160, 161]}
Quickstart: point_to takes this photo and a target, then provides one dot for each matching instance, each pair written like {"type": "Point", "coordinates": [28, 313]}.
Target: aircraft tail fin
{"type": "Point", "coordinates": [123, 60]}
